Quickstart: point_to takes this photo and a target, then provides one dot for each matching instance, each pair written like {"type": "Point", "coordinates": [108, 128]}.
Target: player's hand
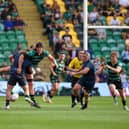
{"type": "Point", "coordinates": [72, 73]}
{"type": "Point", "coordinates": [19, 70]}
{"type": "Point", "coordinates": [54, 74]}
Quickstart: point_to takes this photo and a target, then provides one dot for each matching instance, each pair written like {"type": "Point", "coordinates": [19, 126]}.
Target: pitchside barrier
{"type": "Point", "coordinates": [101, 89]}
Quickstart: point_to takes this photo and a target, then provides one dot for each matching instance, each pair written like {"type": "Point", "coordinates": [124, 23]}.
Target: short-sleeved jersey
{"type": "Point", "coordinates": [76, 64]}
{"type": "Point", "coordinates": [90, 76]}
{"type": "Point", "coordinates": [34, 58]}
{"type": "Point", "coordinates": [113, 75]}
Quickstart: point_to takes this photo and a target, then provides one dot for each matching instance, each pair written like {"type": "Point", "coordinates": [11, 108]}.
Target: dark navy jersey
{"type": "Point", "coordinates": [14, 66]}
{"type": "Point", "coordinates": [90, 76]}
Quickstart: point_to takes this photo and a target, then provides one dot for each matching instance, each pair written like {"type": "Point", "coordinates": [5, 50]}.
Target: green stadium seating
{"type": "Point", "coordinates": [117, 35]}
{"type": "Point", "coordinates": [93, 41]}
{"type": "Point", "coordinates": [10, 35]}
{"type": "Point", "coordinates": [19, 32]}
{"type": "Point", "coordinates": [109, 33]}
{"type": "Point", "coordinates": [7, 53]}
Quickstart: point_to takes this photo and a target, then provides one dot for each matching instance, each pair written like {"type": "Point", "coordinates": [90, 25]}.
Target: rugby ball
{"type": "Point", "coordinates": [14, 96]}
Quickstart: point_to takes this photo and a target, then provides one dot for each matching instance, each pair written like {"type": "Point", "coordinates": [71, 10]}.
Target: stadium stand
{"type": "Point", "coordinates": [104, 12]}
{"type": "Point", "coordinates": [67, 15]}
{"type": "Point", "coordinates": [9, 36]}
{"type": "Point", "coordinates": [114, 41]}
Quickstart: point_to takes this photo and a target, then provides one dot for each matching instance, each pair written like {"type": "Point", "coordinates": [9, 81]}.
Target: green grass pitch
{"type": "Point", "coordinates": [101, 114]}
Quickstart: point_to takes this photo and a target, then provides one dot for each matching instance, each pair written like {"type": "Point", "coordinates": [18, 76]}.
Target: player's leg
{"type": "Point", "coordinates": [112, 89]}
{"type": "Point", "coordinates": [22, 83]}
{"type": "Point", "coordinates": [81, 96]}
{"type": "Point", "coordinates": [26, 94]}
{"type": "Point", "coordinates": [29, 78]}
{"type": "Point", "coordinates": [8, 96]}
{"type": "Point", "coordinates": [75, 93]}
{"type": "Point", "coordinates": [73, 97]}
{"type": "Point", "coordinates": [53, 91]}
{"type": "Point", "coordinates": [123, 99]}
{"type": "Point", "coordinates": [11, 82]}
{"type": "Point", "coordinates": [86, 96]}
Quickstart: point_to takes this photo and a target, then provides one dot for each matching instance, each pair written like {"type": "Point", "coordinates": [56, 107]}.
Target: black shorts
{"type": "Point", "coordinates": [29, 70]}
{"type": "Point", "coordinates": [117, 83]}
{"type": "Point", "coordinates": [74, 81]}
{"type": "Point", "coordinates": [54, 79]}
{"type": "Point", "coordinates": [87, 85]}
{"type": "Point", "coordinates": [16, 79]}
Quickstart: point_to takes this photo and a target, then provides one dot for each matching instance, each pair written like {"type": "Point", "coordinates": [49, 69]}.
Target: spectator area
{"type": "Point", "coordinates": [114, 41]}
{"type": "Point", "coordinates": [104, 12]}
{"type": "Point", "coordinates": [9, 38]}
{"type": "Point", "coordinates": [70, 16]}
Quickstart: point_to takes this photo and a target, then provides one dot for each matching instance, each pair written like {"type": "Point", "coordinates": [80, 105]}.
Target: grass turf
{"type": "Point", "coordinates": [101, 114]}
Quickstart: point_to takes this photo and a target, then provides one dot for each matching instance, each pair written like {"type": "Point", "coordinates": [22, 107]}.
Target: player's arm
{"type": "Point", "coordinates": [72, 65]}
{"type": "Point", "coordinates": [82, 71]}
{"type": "Point", "coordinates": [20, 62]}
{"type": "Point", "coordinates": [11, 58]}
{"type": "Point", "coordinates": [116, 70]}
{"type": "Point", "coordinates": [51, 68]}
{"type": "Point", "coordinates": [5, 69]}
{"type": "Point", "coordinates": [52, 59]}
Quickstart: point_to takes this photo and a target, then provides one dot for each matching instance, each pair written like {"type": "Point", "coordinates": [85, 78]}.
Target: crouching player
{"type": "Point", "coordinates": [17, 76]}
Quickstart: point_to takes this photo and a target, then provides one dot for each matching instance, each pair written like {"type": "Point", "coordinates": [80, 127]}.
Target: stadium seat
{"type": "Point", "coordinates": [111, 43]}
{"type": "Point", "coordinates": [97, 54]}
{"type": "Point", "coordinates": [2, 35]}
{"type": "Point", "coordinates": [117, 35]}
{"type": "Point", "coordinates": [114, 49]}
{"type": "Point", "coordinates": [109, 33]}
{"type": "Point", "coordinates": [19, 32]}
{"type": "Point", "coordinates": [7, 53]}
{"type": "Point", "coordinates": [10, 34]}
{"type": "Point", "coordinates": [93, 41]}
{"type": "Point", "coordinates": [121, 47]}
{"type": "Point", "coordinates": [13, 46]}
{"type": "Point", "coordinates": [13, 41]}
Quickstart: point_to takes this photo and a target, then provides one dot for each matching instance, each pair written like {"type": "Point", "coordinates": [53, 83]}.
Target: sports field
{"type": "Point", "coordinates": [101, 114]}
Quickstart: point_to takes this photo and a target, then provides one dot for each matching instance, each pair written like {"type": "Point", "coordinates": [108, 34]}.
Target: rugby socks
{"type": "Point", "coordinates": [81, 97]}
{"type": "Point", "coordinates": [26, 96]}
{"type": "Point", "coordinates": [123, 102]}
{"type": "Point", "coordinates": [49, 94]}
{"type": "Point", "coordinates": [7, 103]}
{"type": "Point", "coordinates": [114, 96]}
{"type": "Point", "coordinates": [32, 98]}
{"type": "Point", "coordinates": [73, 98]}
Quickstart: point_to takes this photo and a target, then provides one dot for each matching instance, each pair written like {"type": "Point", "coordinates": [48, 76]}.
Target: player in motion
{"type": "Point", "coordinates": [54, 76]}
{"type": "Point", "coordinates": [33, 57]}
{"type": "Point", "coordinates": [114, 68]}
{"type": "Point", "coordinates": [16, 77]}
{"type": "Point", "coordinates": [87, 80]}
{"type": "Point", "coordinates": [75, 65]}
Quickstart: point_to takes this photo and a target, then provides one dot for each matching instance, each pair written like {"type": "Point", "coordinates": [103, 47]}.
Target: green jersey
{"type": "Point", "coordinates": [113, 75]}
{"type": "Point", "coordinates": [58, 70]}
{"type": "Point", "coordinates": [35, 58]}
{"type": "Point", "coordinates": [60, 67]}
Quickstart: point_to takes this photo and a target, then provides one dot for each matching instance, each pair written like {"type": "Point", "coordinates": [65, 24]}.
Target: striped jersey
{"type": "Point", "coordinates": [113, 75]}
{"type": "Point", "coordinates": [60, 67]}
{"type": "Point", "coordinates": [34, 58]}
